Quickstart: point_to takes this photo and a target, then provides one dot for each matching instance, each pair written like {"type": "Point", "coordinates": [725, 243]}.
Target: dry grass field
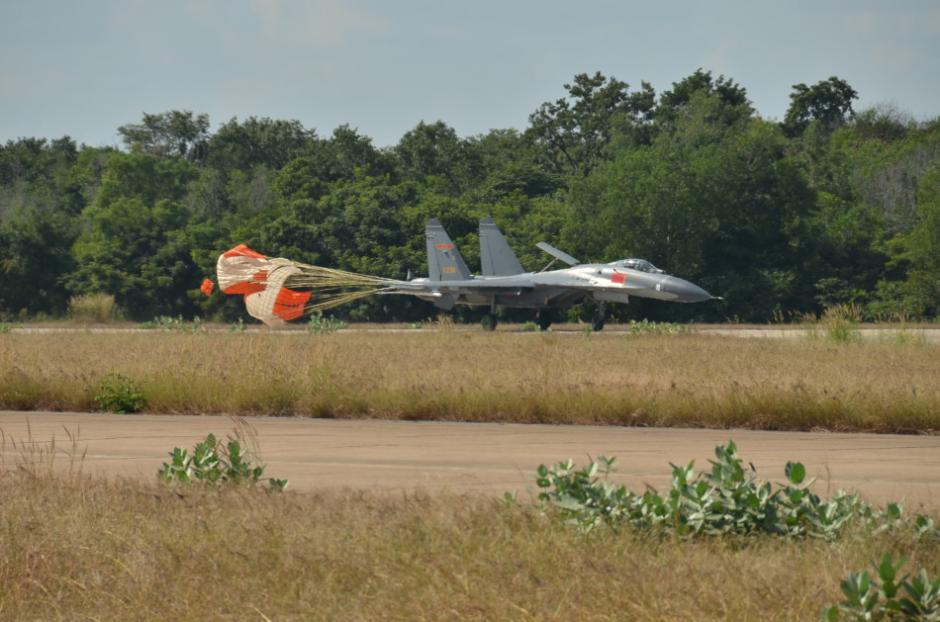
{"type": "Point", "coordinates": [674, 380]}
{"type": "Point", "coordinates": [76, 548]}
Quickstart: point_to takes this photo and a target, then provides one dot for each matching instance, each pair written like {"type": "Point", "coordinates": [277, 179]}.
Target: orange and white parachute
{"type": "Point", "coordinates": [279, 290]}
{"type": "Point", "coordinates": [261, 280]}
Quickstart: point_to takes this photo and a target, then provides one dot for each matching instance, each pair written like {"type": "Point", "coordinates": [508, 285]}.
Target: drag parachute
{"type": "Point", "coordinates": [278, 290]}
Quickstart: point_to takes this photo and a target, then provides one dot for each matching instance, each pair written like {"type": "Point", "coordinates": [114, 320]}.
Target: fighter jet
{"type": "Point", "coordinates": [504, 283]}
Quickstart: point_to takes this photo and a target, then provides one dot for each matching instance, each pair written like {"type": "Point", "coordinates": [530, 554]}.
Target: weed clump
{"type": "Point", "coordinates": [319, 325]}
{"type": "Point", "coordinates": [92, 308]}
{"type": "Point", "coordinates": [119, 394]}
{"type": "Point", "coordinates": [888, 596]}
{"type": "Point", "coordinates": [728, 500]}
{"type": "Point", "coordinates": [175, 324]}
{"type": "Point", "coordinates": [646, 327]}
{"type": "Point", "coordinates": [838, 324]}
{"type": "Point", "coordinates": [216, 464]}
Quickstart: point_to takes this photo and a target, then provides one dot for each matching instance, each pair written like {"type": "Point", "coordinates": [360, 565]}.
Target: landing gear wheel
{"type": "Point", "coordinates": [600, 316]}
{"type": "Point", "coordinates": [544, 320]}
{"type": "Point", "coordinates": [489, 321]}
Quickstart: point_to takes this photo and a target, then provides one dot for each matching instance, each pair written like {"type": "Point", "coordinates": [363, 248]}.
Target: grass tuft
{"type": "Point", "coordinates": [92, 308]}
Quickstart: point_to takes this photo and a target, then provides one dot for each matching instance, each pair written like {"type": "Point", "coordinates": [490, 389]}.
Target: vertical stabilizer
{"type": "Point", "coordinates": [496, 258]}
{"type": "Point", "coordinates": [444, 260]}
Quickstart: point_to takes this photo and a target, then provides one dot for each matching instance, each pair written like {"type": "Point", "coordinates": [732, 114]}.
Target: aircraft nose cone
{"type": "Point", "coordinates": [685, 291]}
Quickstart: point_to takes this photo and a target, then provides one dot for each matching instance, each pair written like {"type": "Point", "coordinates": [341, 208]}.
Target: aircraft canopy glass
{"type": "Point", "coordinates": [636, 264]}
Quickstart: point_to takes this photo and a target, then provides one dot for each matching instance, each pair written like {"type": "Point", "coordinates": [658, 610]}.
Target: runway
{"type": "Point", "coordinates": [395, 456]}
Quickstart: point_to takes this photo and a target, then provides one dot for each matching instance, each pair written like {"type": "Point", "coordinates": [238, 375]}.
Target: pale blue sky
{"type": "Point", "coordinates": [85, 67]}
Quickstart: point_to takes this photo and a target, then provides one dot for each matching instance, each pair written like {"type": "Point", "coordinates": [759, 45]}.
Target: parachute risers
{"type": "Point", "coordinates": [260, 280]}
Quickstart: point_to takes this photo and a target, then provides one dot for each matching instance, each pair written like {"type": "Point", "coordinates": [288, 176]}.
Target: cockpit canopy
{"type": "Point", "coordinates": [636, 264]}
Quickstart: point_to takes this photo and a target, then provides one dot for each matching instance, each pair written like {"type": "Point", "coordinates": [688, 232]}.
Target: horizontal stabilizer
{"type": "Point", "coordinates": [557, 254]}
{"type": "Point", "coordinates": [496, 257]}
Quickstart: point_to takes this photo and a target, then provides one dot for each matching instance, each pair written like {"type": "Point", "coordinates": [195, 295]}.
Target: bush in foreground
{"type": "Point", "coordinates": [119, 394]}
{"type": "Point", "coordinates": [888, 596]}
{"type": "Point", "coordinates": [727, 500]}
{"type": "Point", "coordinates": [217, 464]}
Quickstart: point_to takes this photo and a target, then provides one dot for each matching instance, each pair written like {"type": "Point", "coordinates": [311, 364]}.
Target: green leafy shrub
{"type": "Point", "coordinates": [645, 327]}
{"type": "Point", "coordinates": [216, 464]}
{"type": "Point", "coordinates": [530, 327]}
{"type": "Point", "coordinates": [237, 327]}
{"type": "Point", "coordinates": [119, 394]}
{"type": "Point", "coordinates": [726, 500]}
{"type": "Point", "coordinates": [92, 308]}
{"type": "Point", "coordinates": [5, 328]}
{"type": "Point", "coordinates": [887, 596]}
{"type": "Point", "coordinates": [320, 325]}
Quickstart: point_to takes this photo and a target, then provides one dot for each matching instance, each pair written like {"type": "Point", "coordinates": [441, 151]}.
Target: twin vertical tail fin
{"type": "Point", "coordinates": [444, 260]}
{"type": "Point", "coordinates": [446, 264]}
{"type": "Point", "coordinates": [496, 257]}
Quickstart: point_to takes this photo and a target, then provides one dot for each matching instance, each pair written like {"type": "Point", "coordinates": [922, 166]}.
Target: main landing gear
{"type": "Point", "coordinates": [544, 319]}
{"type": "Point", "coordinates": [600, 316]}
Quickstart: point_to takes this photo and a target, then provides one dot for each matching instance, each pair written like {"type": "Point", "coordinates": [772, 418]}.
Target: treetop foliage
{"type": "Point", "coordinates": [829, 206]}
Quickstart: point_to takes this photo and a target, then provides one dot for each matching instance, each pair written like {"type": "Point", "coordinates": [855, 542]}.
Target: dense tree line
{"type": "Point", "coordinates": [829, 206]}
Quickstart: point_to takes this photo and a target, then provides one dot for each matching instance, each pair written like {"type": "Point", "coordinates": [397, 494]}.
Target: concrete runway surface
{"type": "Point", "coordinates": [492, 458]}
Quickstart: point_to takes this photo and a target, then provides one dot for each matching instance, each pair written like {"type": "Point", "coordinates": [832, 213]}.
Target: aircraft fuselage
{"type": "Point", "coordinates": [555, 288]}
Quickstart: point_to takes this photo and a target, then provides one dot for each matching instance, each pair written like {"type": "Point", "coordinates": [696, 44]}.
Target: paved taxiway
{"type": "Point", "coordinates": [492, 458]}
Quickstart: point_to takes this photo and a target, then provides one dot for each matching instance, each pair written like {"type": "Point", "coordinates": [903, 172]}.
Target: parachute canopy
{"type": "Point", "coordinates": [260, 280]}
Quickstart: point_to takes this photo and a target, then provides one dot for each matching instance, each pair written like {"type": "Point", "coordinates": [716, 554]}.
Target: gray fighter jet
{"type": "Point", "coordinates": [504, 283]}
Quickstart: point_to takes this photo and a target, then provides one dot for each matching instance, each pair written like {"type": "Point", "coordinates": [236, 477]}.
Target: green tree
{"type": "Point", "coordinates": [922, 287]}
{"type": "Point", "coordinates": [34, 260]}
{"type": "Point", "coordinates": [574, 132]}
{"type": "Point", "coordinates": [431, 150]}
{"type": "Point", "coordinates": [176, 133]}
{"type": "Point", "coordinates": [828, 102]}
{"type": "Point", "coordinates": [719, 205]}
{"type": "Point", "coordinates": [242, 146]}
{"type": "Point", "coordinates": [130, 243]}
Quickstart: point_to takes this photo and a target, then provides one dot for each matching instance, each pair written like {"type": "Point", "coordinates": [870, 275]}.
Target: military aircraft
{"type": "Point", "coordinates": [504, 283]}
